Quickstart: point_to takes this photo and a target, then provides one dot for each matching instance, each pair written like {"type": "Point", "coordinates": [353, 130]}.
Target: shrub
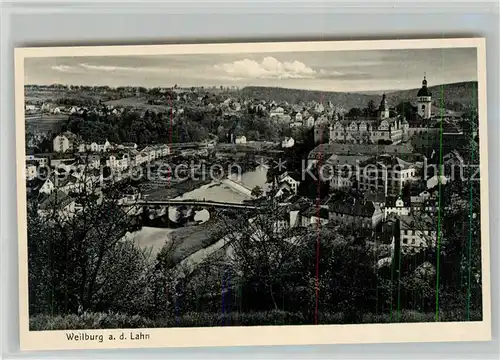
{"type": "Point", "coordinates": [461, 315]}
{"type": "Point", "coordinates": [89, 321]}
{"type": "Point", "coordinates": [195, 319]}
{"type": "Point", "coordinates": [198, 319]}
{"type": "Point", "coordinates": [331, 318]}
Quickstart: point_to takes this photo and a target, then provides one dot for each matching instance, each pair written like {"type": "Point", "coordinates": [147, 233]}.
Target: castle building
{"type": "Point", "coordinates": [370, 130]}
{"type": "Point", "coordinates": [424, 101]}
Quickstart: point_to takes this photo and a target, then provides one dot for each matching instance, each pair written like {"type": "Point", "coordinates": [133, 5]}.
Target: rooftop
{"type": "Point", "coordinates": [57, 200]}
{"type": "Point", "coordinates": [353, 206]}
{"type": "Point", "coordinates": [316, 212]}
{"type": "Point", "coordinates": [422, 221]}
{"type": "Point", "coordinates": [388, 161]}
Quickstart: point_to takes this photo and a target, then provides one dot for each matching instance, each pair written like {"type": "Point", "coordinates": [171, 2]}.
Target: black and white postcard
{"type": "Point", "coordinates": [252, 194]}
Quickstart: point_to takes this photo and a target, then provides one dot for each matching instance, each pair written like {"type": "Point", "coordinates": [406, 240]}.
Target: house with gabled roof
{"type": "Point", "coordinates": [298, 207]}
{"type": "Point", "coordinates": [151, 153]}
{"type": "Point", "coordinates": [355, 211]}
{"type": "Point", "coordinates": [57, 204]}
{"type": "Point", "coordinates": [43, 185]}
{"type": "Point", "coordinates": [397, 205]}
{"type": "Point", "coordinates": [417, 232]}
{"type": "Point", "coordinates": [291, 179]}
{"type": "Point", "coordinates": [313, 215]}
{"type": "Point", "coordinates": [67, 184]}
{"type": "Point", "coordinates": [64, 142]}
{"type": "Point", "coordinates": [309, 121]}
{"type": "Point", "coordinates": [165, 150]}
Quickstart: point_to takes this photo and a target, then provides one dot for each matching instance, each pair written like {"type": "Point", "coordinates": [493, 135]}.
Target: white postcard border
{"type": "Point", "coordinates": [260, 335]}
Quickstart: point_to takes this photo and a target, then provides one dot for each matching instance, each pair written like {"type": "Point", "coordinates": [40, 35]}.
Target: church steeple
{"type": "Point", "coordinates": [424, 100]}
{"type": "Point", "coordinates": [424, 91]}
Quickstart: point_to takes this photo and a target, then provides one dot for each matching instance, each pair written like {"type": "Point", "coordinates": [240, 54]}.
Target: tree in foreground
{"type": "Point", "coordinates": [82, 262]}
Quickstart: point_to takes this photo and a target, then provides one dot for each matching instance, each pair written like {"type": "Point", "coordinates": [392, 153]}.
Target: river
{"type": "Point", "coordinates": [155, 238]}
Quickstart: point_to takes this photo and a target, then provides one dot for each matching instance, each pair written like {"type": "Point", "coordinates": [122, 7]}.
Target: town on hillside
{"type": "Point", "coordinates": [210, 175]}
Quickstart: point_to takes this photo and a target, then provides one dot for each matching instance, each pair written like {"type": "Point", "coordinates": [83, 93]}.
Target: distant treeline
{"type": "Point", "coordinates": [454, 96]}
{"type": "Point", "coordinates": [193, 125]}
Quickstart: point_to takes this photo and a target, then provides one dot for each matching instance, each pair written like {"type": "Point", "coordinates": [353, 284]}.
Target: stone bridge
{"type": "Point", "coordinates": [188, 202]}
{"type": "Point", "coordinates": [159, 209]}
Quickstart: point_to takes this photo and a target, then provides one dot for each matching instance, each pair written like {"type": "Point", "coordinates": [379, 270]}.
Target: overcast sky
{"type": "Point", "coordinates": [326, 71]}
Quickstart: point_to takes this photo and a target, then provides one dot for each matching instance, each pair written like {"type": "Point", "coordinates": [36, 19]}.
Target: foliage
{"type": "Point", "coordinates": [91, 321]}
{"type": "Point", "coordinates": [77, 101]}
{"type": "Point", "coordinates": [343, 271]}
{"type": "Point", "coordinates": [193, 125]}
{"type": "Point", "coordinates": [406, 109]}
{"type": "Point", "coordinates": [257, 192]}
{"type": "Point", "coordinates": [81, 262]}
{"type": "Point", "coordinates": [263, 272]}
{"type": "Point", "coordinates": [370, 109]}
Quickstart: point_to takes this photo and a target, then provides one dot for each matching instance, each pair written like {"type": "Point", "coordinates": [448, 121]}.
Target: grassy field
{"type": "Point", "coordinates": [43, 95]}
{"type": "Point", "coordinates": [136, 102]}
{"type": "Point", "coordinates": [51, 95]}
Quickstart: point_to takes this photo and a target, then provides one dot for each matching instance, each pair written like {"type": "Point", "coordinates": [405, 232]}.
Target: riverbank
{"type": "Point", "coordinates": [186, 240]}
{"type": "Point", "coordinates": [190, 240]}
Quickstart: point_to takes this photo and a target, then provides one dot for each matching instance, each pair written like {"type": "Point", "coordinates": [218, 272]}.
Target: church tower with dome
{"type": "Point", "coordinates": [424, 101]}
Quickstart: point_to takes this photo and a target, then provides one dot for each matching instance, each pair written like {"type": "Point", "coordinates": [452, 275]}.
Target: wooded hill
{"type": "Point", "coordinates": [454, 96]}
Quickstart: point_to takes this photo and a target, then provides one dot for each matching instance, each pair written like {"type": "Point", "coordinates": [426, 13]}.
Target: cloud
{"type": "Point", "coordinates": [109, 68]}
{"type": "Point", "coordinates": [62, 68]}
{"type": "Point", "coordinates": [334, 73]}
{"type": "Point", "coordinates": [348, 75]}
{"type": "Point", "coordinates": [133, 69]}
{"type": "Point", "coordinates": [268, 68]}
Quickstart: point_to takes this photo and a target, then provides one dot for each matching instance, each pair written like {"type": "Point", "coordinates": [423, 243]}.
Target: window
{"type": "Point", "coordinates": [405, 241]}
{"type": "Point", "coordinates": [413, 241]}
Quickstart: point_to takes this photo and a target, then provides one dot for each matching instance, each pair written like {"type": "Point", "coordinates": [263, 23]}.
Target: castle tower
{"type": "Point", "coordinates": [424, 100]}
{"type": "Point", "coordinates": [383, 109]}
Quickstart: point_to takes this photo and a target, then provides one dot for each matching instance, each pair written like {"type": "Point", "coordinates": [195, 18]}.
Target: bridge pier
{"type": "Point", "coordinates": [151, 217]}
